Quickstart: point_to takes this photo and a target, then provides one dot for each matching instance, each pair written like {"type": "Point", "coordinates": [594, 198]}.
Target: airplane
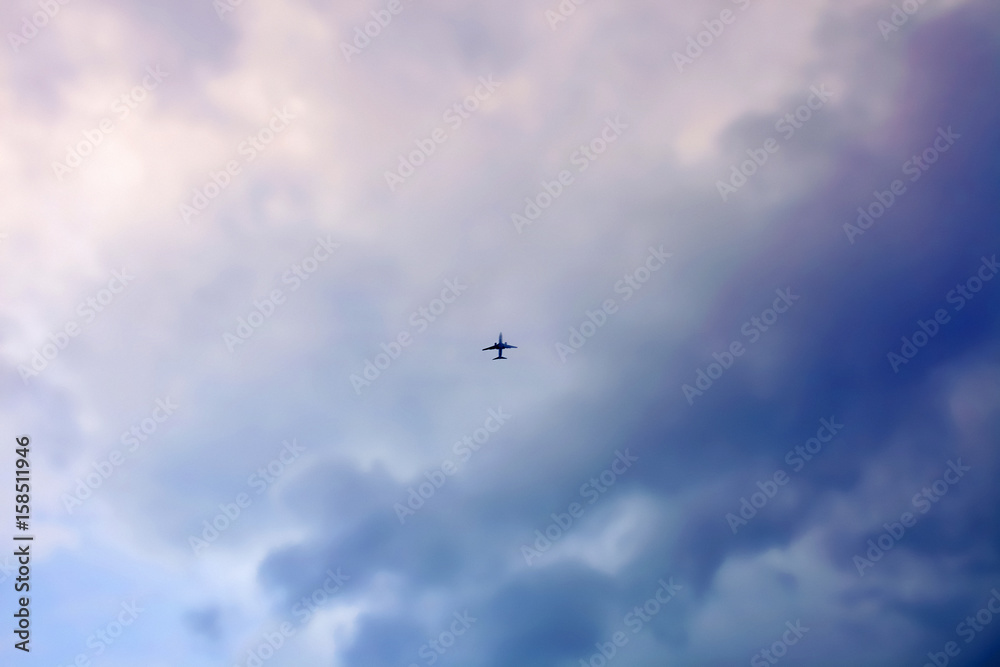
{"type": "Point", "coordinates": [501, 346]}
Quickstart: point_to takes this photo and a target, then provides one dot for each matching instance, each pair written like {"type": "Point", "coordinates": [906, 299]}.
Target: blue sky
{"type": "Point", "coordinates": [249, 256]}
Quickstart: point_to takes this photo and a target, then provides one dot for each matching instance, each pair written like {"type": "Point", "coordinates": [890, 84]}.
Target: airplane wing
{"type": "Point", "coordinates": [492, 347]}
{"type": "Point", "coordinates": [513, 347]}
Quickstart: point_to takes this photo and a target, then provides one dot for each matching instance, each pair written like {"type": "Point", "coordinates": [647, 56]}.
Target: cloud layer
{"type": "Point", "coordinates": [251, 253]}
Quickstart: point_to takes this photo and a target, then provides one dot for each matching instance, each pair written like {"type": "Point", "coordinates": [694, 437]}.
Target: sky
{"type": "Point", "coordinates": [250, 254]}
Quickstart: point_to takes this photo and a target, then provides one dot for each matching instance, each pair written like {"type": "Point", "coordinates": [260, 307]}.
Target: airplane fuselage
{"type": "Point", "coordinates": [500, 346]}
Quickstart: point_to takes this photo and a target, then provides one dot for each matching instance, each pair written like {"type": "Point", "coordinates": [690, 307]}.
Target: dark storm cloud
{"type": "Point", "coordinates": [825, 359]}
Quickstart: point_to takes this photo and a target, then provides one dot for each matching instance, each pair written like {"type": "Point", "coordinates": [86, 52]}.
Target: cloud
{"type": "Point", "coordinates": [323, 177]}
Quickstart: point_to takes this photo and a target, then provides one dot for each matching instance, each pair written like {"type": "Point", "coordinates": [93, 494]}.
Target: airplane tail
{"type": "Point", "coordinates": [500, 357]}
